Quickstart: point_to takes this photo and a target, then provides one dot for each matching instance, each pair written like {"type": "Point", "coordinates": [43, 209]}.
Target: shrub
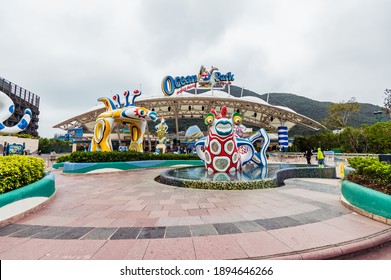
{"type": "Point", "coordinates": [372, 173]}
{"type": "Point", "coordinates": [116, 156]}
{"type": "Point", "coordinates": [19, 171]}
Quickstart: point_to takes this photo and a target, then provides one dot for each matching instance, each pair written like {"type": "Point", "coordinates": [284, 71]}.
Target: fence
{"type": "Point", "coordinates": [13, 89]}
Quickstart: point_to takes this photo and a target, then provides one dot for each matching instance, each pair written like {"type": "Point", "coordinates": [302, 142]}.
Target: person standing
{"type": "Point", "coordinates": [308, 154]}
{"type": "Point", "coordinates": [52, 156]}
{"type": "Point", "coordinates": [320, 157]}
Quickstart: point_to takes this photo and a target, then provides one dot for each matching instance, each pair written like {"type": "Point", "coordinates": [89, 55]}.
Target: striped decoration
{"type": "Point", "coordinates": [283, 137]}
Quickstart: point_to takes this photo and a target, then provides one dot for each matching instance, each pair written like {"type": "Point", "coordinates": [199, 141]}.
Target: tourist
{"type": "Point", "coordinates": [52, 156]}
{"type": "Point", "coordinates": [320, 158]}
{"type": "Point", "coordinates": [308, 155]}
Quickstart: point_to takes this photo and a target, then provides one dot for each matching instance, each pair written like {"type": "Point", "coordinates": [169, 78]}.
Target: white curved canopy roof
{"type": "Point", "coordinates": [254, 110]}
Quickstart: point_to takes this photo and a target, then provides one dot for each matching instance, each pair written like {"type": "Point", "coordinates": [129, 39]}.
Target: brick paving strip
{"type": "Point", "coordinates": [117, 233]}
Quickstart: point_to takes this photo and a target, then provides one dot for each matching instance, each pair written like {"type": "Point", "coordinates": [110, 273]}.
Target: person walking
{"type": "Point", "coordinates": [320, 157]}
{"type": "Point", "coordinates": [52, 157]}
{"type": "Point", "coordinates": [308, 154]}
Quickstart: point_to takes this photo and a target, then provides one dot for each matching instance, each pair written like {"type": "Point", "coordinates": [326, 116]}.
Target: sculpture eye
{"type": "Point", "coordinates": [209, 119]}
{"type": "Point", "coordinates": [141, 112]}
{"type": "Point", "coordinates": [237, 119]}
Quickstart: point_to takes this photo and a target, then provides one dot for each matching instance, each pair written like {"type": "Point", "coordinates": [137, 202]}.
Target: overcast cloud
{"type": "Point", "coordinates": [72, 52]}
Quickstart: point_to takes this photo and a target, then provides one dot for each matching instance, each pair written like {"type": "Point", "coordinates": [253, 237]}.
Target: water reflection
{"type": "Point", "coordinates": [248, 173]}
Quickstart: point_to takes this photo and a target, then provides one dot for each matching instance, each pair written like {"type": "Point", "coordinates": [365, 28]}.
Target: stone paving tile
{"type": "Point", "coordinates": [126, 233]}
{"type": "Point", "coordinates": [130, 249]}
{"type": "Point", "coordinates": [74, 249]}
{"type": "Point", "coordinates": [100, 222]}
{"type": "Point", "coordinates": [153, 207]}
{"type": "Point", "coordinates": [198, 212]}
{"type": "Point", "coordinates": [168, 221]}
{"type": "Point", "coordinates": [258, 244]}
{"type": "Point", "coordinates": [170, 249]}
{"type": "Point", "coordinates": [172, 207]}
{"type": "Point", "coordinates": [226, 228]}
{"type": "Point", "coordinates": [217, 247]}
{"type": "Point", "coordinates": [13, 228]}
{"type": "Point", "coordinates": [7, 243]}
{"type": "Point", "coordinates": [75, 233]}
{"type": "Point", "coordinates": [203, 230]}
{"type": "Point", "coordinates": [178, 213]}
{"type": "Point", "coordinates": [123, 222]}
{"type": "Point", "coordinates": [248, 226]}
{"type": "Point", "coordinates": [330, 233]}
{"type": "Point", "coordinates": [367, 222]}
{"type": "Point", "coordinates": [287, 221]}
{"type": "Point", "coordinates": [191, 220]}
{"type": "Point", "coordinates": [31, 249]}
{"type": "Point", "coordinates": [100, 233]}
{"type": "Point", "coordinates": [268, 224]}
{"type": "Point", "coordinates": [52, 232]}
{"type": "Point", "coordinates": [206, 205]}
{"type": "Point", "coordinates": [152, 232]}
{"type": "Point", "coordinates": [299, 238]}
{"type": "Point", "coordinates": [146, 222]}
{"type": "Point", "coordinates": [188, 206]}
{"type": "Point", "coordinates": [30, 231]}
{"type": "Point", "coordinates": [177, 231]}
{"type": "Point", "coordinates": [158, 214]}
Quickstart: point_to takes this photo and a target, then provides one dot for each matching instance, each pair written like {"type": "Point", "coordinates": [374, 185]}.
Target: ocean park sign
{"type": "Point", "coordinates": [204, 79]}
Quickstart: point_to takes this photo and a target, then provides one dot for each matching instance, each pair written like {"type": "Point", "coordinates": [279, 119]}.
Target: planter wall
{"type": "Point", "coordinates": [42, 188]}
{"type": "Point", "coordinates": [371, 201]}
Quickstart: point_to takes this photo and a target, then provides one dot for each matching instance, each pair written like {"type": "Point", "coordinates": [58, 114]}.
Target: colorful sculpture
{"type": "Point", "coordinates": [7, 108]}
{"type": "Point", "coordinates": [222, 151]}
{"type": "Point", "coordinates": [126, 113]}
{"type": "Point", "coordinates": [161, 130]}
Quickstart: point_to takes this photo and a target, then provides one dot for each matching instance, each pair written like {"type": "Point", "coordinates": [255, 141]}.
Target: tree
{"type": "Point", "coordinates": [387, 101]}
{"type": "Point", "coordinates": [339, 114]}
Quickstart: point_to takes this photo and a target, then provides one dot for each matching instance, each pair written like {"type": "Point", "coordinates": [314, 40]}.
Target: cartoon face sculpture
{"type": "Point", "coordinates": [124, 113]}
{"type": "Point", "coordinates": [220, 149]}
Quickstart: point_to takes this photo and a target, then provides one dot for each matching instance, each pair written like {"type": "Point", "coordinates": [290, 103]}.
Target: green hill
{"type": "Point", "coordinates": [318, 110]}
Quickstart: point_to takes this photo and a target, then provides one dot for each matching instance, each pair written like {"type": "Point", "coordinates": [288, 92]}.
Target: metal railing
{"type": "Point", "coordinates": [13, 89]}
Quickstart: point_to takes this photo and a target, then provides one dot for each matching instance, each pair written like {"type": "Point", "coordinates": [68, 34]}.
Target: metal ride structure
{"type": "Point", "coordinates": [125, 113]}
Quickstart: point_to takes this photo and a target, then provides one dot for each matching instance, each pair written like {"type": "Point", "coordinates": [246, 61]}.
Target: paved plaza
{"type": "Point", "coordinates": [128, 215]}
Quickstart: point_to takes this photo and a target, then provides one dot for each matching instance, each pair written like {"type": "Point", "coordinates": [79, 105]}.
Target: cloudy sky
{"type": "Point", "coordinates": [71, 52]}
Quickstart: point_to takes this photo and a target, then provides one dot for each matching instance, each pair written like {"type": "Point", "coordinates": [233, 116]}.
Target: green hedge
{"type": "Point", "coordinates": [116, 156]}
{"type": "Point", "coordinates": [19, 171]}
{"type": "Point", "coordinates": [371, 172]}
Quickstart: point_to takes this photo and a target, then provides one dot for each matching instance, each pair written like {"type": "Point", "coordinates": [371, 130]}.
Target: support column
{"type": "Point", "coordinates": [176, 125]}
